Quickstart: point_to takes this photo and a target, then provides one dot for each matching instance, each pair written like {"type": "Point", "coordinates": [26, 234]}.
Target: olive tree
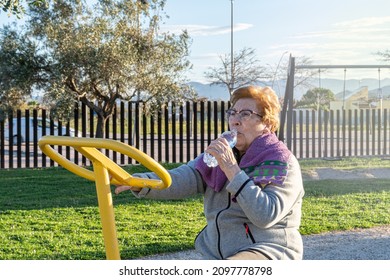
{"type": "Point", "coordinates": [15, 7]}
{"type": "Point", "coordinates": [17, 76]}
{"type": "Point", "coordinates": [101, 53]}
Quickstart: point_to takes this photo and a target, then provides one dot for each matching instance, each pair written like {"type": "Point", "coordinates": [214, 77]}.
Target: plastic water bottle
{"type": "Point", "coordinates": [231, 137]}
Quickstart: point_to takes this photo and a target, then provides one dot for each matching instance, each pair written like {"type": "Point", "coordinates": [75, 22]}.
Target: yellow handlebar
{"type": "Point", "coordinates": [89, 148]}
{"type": "Point", "coordinates": [103, 168]}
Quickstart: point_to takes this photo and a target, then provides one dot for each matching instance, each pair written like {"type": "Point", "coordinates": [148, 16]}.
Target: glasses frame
{"type": "Point", "coordinates": [238, 113]}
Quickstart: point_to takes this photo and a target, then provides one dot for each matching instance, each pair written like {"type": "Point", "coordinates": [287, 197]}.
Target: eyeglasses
{"type": "Point", "coordinates": [243, 114]}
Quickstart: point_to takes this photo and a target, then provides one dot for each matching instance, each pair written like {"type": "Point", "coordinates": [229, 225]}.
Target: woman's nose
{"type": "Point", "coordinates": [234, 122]}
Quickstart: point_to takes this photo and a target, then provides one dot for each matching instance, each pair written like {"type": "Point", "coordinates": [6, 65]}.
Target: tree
{"type": "Point", "coordinates": [303, 77]}
{"type": "Point", "coordinates": [97, 55]}
{"type": "Point", "coordinates": [316, 99]}
{"type": "Point", "coordinates": [385, 55]}
{"type": "Point", "coordinates": [246, 70]}
{"type": "Point", "coordinates": [15, 7]}
{"type": "Point", "coordinates": [16, 64]}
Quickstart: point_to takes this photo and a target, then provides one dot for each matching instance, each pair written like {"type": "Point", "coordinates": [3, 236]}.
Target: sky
{"type": "Point", "coordinates": [346, 32]}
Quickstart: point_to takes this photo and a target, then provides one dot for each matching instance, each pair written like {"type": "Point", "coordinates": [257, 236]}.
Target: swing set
{"type": "Point", "coordinates": [380, 97]}
{"type": "Point", "coordinates": [287, 110]}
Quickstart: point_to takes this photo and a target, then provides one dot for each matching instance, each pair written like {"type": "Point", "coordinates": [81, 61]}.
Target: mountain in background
{"type": "Point", "coordinates": [211, 92]}
{"type": "Point", "coordinates": [216, 92]}
{"type": "Point", "coordinates": [337, 86]}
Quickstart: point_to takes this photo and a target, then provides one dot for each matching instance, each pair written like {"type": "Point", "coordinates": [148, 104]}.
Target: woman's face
{"type": "Point", "coordinates": [249, 129]}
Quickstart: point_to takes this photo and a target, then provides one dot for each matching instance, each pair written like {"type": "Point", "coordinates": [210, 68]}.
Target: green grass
{"type": "Point", "coordinates": [345, 163]}
{"type": "Point", "coordinates": [53, 214]}
{"type": "Point", "coordinates": [342, 205]}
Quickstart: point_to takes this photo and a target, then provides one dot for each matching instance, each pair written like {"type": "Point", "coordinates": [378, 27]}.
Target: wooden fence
{"type": "Point", "coordinates": [178, 133]}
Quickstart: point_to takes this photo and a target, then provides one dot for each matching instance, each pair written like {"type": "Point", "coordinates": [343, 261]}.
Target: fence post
{"type": "Point", "coordinates": [288, 104]}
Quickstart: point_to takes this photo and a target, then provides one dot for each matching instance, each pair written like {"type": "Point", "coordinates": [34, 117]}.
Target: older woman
{"type": "Point", "coordinates": [253, 198]}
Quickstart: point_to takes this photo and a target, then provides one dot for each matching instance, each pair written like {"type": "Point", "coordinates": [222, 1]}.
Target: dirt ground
{"type": "Point", "coordinates": [330, 173]}
{"type": "Point", "coordinates": [358, 244]}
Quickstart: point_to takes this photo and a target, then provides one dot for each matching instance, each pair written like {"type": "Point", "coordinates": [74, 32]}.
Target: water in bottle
{"type": "Point", "coordinates": [231, 137]}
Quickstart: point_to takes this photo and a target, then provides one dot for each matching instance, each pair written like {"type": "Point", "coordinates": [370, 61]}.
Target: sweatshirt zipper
{"type": "Point", "coordinates": [248, 233]}
{"type": "Point", "coordinates": [218, 231]}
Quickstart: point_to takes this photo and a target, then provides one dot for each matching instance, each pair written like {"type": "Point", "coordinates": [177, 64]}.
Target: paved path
{"type": "Point", "coordinates": [360, 244]}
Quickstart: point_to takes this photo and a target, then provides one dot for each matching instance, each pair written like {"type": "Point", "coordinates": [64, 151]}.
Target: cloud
{"type": "Point", "coordinates": [205, 30]}
{"type": "Point", "coordinates": [368, 27]}
{"type": "Point", "coordinates": [364, 22]}
{"type": "Point", "coordinates": [347, 34]}
{"type": "Point", "coordinates": [344, 40]}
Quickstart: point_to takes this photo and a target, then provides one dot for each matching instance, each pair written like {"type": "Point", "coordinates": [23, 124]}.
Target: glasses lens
{"type": "Point", "coordinates": [230, 113]}
{"type": "Point", "coordinates": [245, 114]}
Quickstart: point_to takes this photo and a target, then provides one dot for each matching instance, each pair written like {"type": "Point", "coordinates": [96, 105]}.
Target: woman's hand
{"type": "Point", "coordinates": [119, 189]}
{"type": "Point", "coordinates": [220, 149]}
{"type": "Point", "coordinates": [122, 188]}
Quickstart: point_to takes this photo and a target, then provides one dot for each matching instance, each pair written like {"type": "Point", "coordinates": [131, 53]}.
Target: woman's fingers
{"type": "Point", "coordinates": [120, 189]}
{"type": "Point", "coordinates": [217, 147]}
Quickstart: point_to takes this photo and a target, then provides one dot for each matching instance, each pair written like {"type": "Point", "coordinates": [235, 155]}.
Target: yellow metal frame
{"type": "Point", "coordinates": [103, 168]}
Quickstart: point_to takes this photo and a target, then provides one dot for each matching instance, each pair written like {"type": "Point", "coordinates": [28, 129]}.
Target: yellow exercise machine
{"type": "Point", "coordinates": [103, 168]}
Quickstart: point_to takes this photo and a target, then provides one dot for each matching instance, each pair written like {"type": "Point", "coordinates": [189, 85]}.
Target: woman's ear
{"type": "Point", "coordinates": [266, 130]}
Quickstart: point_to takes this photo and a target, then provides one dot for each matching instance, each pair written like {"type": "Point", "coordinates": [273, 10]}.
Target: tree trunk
{"type": "Point", "coordinates": [100, 126]}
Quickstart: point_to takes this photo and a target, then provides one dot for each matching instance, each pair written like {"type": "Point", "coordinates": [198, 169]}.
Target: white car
{"type": "Point", "coordinates": [39, 126]}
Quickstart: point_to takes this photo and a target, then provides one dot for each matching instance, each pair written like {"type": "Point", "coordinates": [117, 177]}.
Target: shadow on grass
{"type": "Point", "coordinates": [40, 189]}
{"type": "Point", "coordinates": [30, 189]}
{"type": "Point", "coordinates": [34, 189]}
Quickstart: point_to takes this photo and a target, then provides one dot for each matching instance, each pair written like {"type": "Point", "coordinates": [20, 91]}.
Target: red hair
{"type": "Point", "coordinates": [266, 100]}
